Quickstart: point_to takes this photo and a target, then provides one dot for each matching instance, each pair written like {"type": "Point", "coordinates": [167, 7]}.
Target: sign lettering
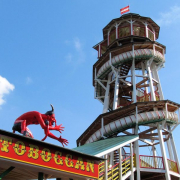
{"type": "Point", "coordinates": [25, 152]}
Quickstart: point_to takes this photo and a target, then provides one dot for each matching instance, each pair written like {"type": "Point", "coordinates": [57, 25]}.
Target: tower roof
{"type": "Point", "coordinates": [134, 17]}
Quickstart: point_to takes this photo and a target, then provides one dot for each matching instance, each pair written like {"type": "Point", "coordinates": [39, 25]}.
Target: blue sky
{"type": "Point", "coordinates": [46, 57]}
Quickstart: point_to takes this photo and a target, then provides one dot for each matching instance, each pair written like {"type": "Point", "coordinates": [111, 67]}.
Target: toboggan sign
{"type": "Point", "coordinates": [52, 158]}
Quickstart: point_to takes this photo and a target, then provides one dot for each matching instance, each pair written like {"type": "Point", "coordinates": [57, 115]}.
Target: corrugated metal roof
{"type": "Point", "coordinates": [98, 147]}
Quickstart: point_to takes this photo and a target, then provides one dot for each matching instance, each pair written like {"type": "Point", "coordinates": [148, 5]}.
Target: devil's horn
{"type": "Point", "coordinates": [52, 108]}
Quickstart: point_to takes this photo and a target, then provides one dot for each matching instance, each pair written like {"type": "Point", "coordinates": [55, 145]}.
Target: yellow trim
{"type": "Point", "coordinates": [49, 167]}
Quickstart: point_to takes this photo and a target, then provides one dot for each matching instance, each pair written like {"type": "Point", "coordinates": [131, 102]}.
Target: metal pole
{"type": "Point", "coordinates": [131, 27]}
{"type": "Point", "coordinates": [131, 152]}
{"type": "Point", "coordinates": [144, 74]}
{"type": "Point", "coordinates": [134, 76]}
{"type": "Point", "coordinates": [120, 163]}
{"type": "Point", "coordinates": [106, 99]}
{"type": "Point", "coordinates": [151, 83]}
{"type": "Point", "coordinates": [169, 142]}
{"type": "Point", "coordinates": [156, 76]}
{"type": "Point", "coordinates": [111, 159]}
{"type": "Point", "coordinates": [116, 92]}
{"type": "Point", "coordinates": [136, 143]}
{"type": "Point", "coordinates": [163, 152]}
{"type": "Point", "coordinates": [174, 151]}
{"type": "Point", "coordinates": [137, 159]}
{"type": "Point", "coordinates": [154, 151]}
{"type": "Point", "coordinates": [146, 30]}
{"type": "Point", "coordinates": [169, 149]}
{"type": "Point", "coordinates": [106, 168]}
{"type": "Point", "coordinates": [102, 127]}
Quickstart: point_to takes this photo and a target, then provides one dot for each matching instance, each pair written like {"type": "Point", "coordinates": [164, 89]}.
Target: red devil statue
{"type": "Point", "coordinates": [46, 122]}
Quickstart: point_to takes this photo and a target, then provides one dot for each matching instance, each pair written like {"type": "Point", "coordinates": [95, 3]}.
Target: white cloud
{"type": "Point", "coordinates": [69, 58]}
{"type": "Point", "coordinates": [5, 88]}
{"type": "Point", "coordinates": [28, 80]}
{"type": "Point", "coordinates": [79, 49]}
{"type": "Point", "coordinates": [67, 42]}
{"type": "Point", "coordinates": [77, 44]}
{"type": "Point", "coordinates": [169, 17]}
{"type": "Point", "coordinates": [77, 55]}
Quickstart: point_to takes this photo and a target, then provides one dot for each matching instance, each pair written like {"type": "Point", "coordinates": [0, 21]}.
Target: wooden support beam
{"type": "Point", "coordinates": [148, 130]}
{"type": "Point", "coordinates": [142, 86]}
{"type": "Point", "coordinates": [126, 132]}
{"type": "Point", "coordinates": [156, 143]}
{"type": "Point", "coordinates": [152, 138]}
{"type": "Point", "coordinates": [143, 81]}
{"type": "Point", "coordinates": [154, 134]}
{"type": "Point", "coordinates": [145, 85]}
{"type": "Point", "coordinates": [147, 142]}
{"type": "Point", "coordinates": [144, 145]}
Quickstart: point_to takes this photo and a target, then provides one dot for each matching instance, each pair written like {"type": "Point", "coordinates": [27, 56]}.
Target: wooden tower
{"type": "Point", "coordinates": [126, 82]}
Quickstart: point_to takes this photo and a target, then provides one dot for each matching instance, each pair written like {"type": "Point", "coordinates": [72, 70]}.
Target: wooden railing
{"type": "Point", "coordinates": [156, 162]}
{"type": "Point", "coordinates": [149, 162]}
{"type": "Point", "coordinates": [153, 162]}
{"type": "Point", "coordinates": [113, 172]}
{"type": "Point", "coordinates": [147, 97]}
{"type": "Point", "coordinates": [172, 166]}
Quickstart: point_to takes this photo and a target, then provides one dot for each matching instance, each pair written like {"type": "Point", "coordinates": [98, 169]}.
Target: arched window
{"type": "Point", "coordinates": [139, 29]}
{"type": "Point", "coordinates": [124, 30]}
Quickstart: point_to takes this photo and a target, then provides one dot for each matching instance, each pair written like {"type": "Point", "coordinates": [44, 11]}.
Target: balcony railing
{"type": "Point", "coordinates": [156, 162]}
{"type": "Point", "coordinates": [172, 166]}
{"type": "Point", "coordinates": [152, 162]}
{"type": "Point", "coordinates": [148, 162]}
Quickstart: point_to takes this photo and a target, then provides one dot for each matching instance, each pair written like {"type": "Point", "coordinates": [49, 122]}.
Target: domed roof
{"type": "Point", "coordinates": [132, 16]}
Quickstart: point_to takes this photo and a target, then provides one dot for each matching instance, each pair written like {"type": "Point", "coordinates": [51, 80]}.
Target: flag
{"type": "Point", "coordinates": [124, 10]}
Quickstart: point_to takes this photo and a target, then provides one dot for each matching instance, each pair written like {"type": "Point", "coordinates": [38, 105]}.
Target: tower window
{"type": "Point", "coordinates": [139, 31]}
{"type": "Point", "coordinates": [150, 35]}
{"type": "Point", "coordinates": [124, 31]}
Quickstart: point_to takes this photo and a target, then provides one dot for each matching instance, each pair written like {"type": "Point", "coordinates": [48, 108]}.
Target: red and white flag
{"type": "Point", "coordinates": [124, 10]}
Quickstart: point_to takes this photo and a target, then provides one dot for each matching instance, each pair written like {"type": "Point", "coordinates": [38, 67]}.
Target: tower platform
{"type": "Point", "coordinates": [121, 119]}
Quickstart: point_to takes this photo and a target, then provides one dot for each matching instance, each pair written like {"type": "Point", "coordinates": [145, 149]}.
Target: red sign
{"type": "Point", "coordinates": [53, 158]}
{"type": "Point", "coordinates": [124, 10]}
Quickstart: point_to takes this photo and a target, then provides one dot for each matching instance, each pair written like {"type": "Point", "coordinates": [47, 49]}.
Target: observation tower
{"type": "Point", "coordinates": [135, 117]}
